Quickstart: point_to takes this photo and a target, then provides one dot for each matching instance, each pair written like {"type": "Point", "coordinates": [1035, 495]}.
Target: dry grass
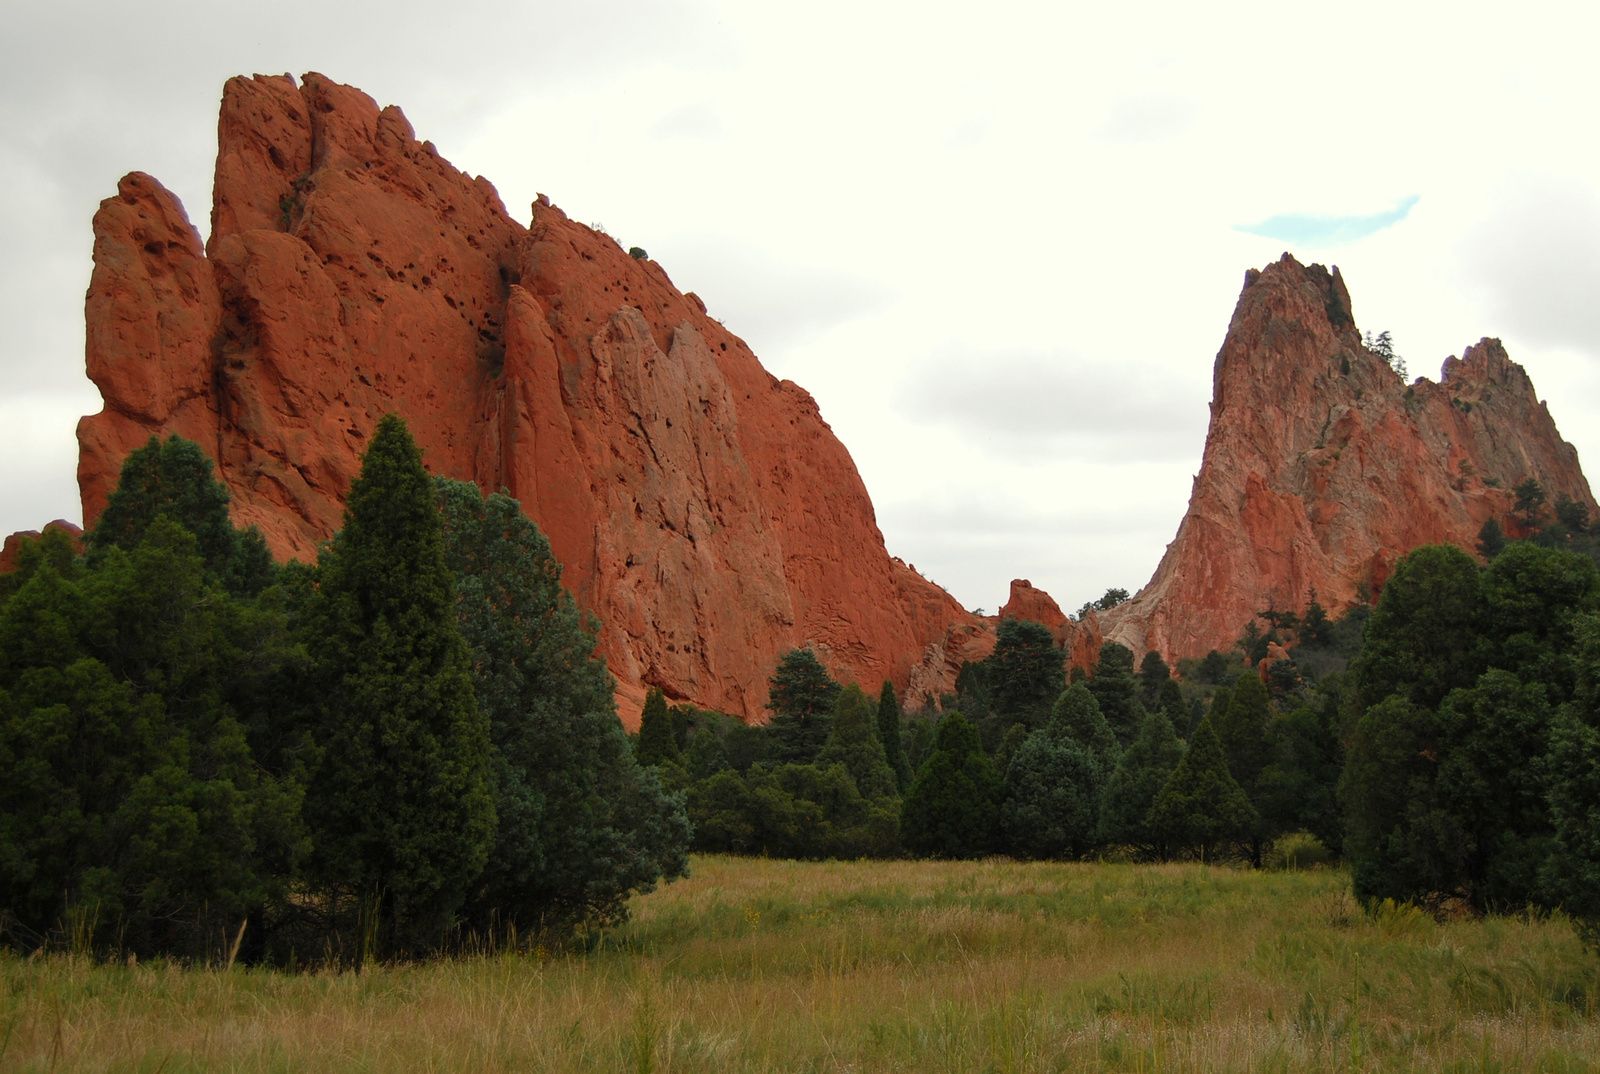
{"type": "Point", "coordinates": [755, 965]}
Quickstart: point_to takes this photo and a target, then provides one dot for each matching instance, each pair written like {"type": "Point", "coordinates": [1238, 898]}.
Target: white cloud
{"type": "Point", "coordinates": [1536, 262]}
{"type": "Point", "coordinates": [997, 244]}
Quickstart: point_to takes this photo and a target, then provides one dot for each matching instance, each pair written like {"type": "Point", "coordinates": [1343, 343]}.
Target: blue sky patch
{"type": "Point", "coordinates": [1316, 229]}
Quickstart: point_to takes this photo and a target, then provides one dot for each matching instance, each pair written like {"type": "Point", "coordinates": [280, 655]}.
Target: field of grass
{"type": "Point", "coordinates": [757, 965]}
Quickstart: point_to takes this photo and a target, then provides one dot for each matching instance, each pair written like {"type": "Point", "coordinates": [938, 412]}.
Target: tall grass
{"type": "Point", "coordinates": [757, 965]}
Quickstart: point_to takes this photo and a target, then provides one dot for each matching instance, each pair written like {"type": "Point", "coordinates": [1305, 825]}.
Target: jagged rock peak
{"type": "Point", "coordinates": [704, 511]}
{"type": "Point", "coordinates": [1322, 466]}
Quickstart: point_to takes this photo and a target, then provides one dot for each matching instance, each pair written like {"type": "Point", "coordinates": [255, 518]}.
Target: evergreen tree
{"type": "Point", "coordinates": [1572, 872]}
{"type": "Point", "coordinates": [1242, 728]}
{"type": "Point", "coordinates": [1138, 779]}
{"type": "Point", "coordinates": [1315, 628]}
{"type": "Point", "coordinates": [889, 734]}
{"type": "Point", "coordinates": [1531, 599]}
{"type": "Point", "coordinates": [1202, 807]}
{"type": "Point", "coordinates": [1220, 700]}
{"type": "Point", "coordinates": [400, 807]}
{"type": "Point", "coordinates": [802, 696]}
{"type": "Point", "coordinates": [705, 756]}
{"type": "Point", "coordinates": [1153, 675]}
{"type": "Point", "coordinates": [952, 809]}
{"type": "Point", "coordinates": [1422, 639]}
{"type": "Point", "coordinates": [128, 791]}
{"type": "Point", "coordinates": [1244, 732]}
{"type": "Point", "coordinates": [853, 742]}
{"type": "Point", "coordinates": [1016, 735]}
{"type": "Point", "coordinates": [1114, 687]}
{"type": "Point", "coordinates": [581, 826]}
{"type": "Point", "coordinates": [1491, 539]}
{"type": "Point", "coordinates": [1172, 704]}
{"type": "Point", "coordinates": [657, 743]}
{"type": "Point", "coordinates": [1297, 790]}
{"type": "Point", "coordinates": [1076, 717]}
{"type": "Point", "coordinates": [175, 479]}
{"type": "Point", "coordinates": [1051, 799]}
{"type": "Point", "coordinates": [1026, 673]}
{"type": "Point", "coordinates": [1530, 503]}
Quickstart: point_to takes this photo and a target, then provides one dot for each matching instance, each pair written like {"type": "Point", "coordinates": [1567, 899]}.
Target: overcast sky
{"type": "Point", "coordinates": [1000, 243]}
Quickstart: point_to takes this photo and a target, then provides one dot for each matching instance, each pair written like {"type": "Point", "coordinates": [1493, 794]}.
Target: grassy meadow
{"type": "Point", "coordinates": [755, 965]}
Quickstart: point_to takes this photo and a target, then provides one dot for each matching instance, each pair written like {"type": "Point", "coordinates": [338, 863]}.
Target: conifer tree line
{"type": "Point", "coordinates": [1444, 742]}
{"type": "Point", "coordinates": [405, 748]}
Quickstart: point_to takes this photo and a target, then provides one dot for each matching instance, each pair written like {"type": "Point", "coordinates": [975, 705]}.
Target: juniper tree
{"type": "Point", "coordinates": [1113, 684]}
{"type": "Point", "coordinates": [1076, 716]}
{"type": "Point", "coordinates": [174, 478]}
{"type": "Point", "coordinates": [128, 789]}
{"type": "Point", "coordinates": [889, 734]}
{"type": "Point", "coordinates": [400, 807]}
{"type": "Point", "coordinates": [657, 743]}
{"type": "Point", "coordinates": [1202, 807]}
{"type": "Point", "coordinates": [853, 742]}
{"type": "Point", "coordinates": [1132, 788]}
{"type": "Point", "coordinates": [1153, 675]}
{"type": "Point", "coordinates": [952, 809]}
{"type": "Point", "coordinates": [581, 825]}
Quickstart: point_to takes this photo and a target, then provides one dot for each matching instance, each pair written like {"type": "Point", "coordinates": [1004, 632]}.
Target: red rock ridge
{"type": "Point", "coordinates": [1322, 466]}
{"type": "Point", "coordinates": [1079, 639]}
{"type": "Point", "coordinates": [704, 511]}
{"type": "Point", "coordinates": [11, 551]}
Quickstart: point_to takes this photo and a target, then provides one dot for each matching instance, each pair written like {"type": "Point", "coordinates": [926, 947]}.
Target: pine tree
{"type": "Point", "coordinates": [1052, 793]}
{"type": "Point", "coordinates": [127, 783]}
{"type": "Point", "coordinates": [1217, 710]}
{"type": "Point", "coordinates": [1026, 672]}
{"type": "Point", "coordinates": [1244, 731]}
{"type": "Point", "coordinates": [1202, 807]}
{"type": "Point", "coordinates": [174, 479]}
{"type": "Point", "coordinates": [1171, 704]}
{"type": "Point", "coordinates": [952, 809]}
{"type": "Point", "coordinates": [400, 806]}
{"type": "Point", "coordinates": [1242, 728]}
{"type": "Point", "coordinates": [657, 743]}
{"type": "Point", "coordinates": [1133, 788]}
{"type": "Point", "coordinates": [1076, 717]}
{"type": "Point", "coordinates": [853, 742]}
{"type": "Point", "coordinates": [1422, 640]}
{"type": "Point", "coordinates": [581, 826]}
{"type": "Point", "coordinates": [801, 698]}
{"type": "Point", "coordinates": [889, 734]}
{"type": "Point", "coordinates": [1114, 687]}
{"type": "Point", "coordinates": [1315, 627]}
{"type": "Point", "coordinates": [1153, 674]}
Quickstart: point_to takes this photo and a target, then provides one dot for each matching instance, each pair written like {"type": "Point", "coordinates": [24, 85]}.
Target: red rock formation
{"type": "Point", "coordinates": [1322, 466]}
{"type": "Point", "coordinates": [11, 553]}
{"type": "Point", "coordinates": [1079, 639]}
{"type": "Point", "coordinates": [703, 509]}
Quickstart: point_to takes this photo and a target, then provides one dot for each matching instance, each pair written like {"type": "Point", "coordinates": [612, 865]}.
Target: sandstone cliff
{"type": "Point", "coordinates": [1322, 466]}
{"type": "Point", "coordinates": [704, 511]}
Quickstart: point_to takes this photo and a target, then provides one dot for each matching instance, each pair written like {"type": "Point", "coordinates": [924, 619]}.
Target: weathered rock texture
{"type": "Point", "coordinates": [1079, 639]}
{"type": "Point", "coordinates": [1322, 467]}
{"type": "Point", "coordinates": [11, 551]}
{"type": "Point", "coordinates": [704, 511]}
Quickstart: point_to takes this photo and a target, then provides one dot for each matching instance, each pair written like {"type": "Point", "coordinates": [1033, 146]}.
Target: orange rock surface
{"type": "Point", "coordinates": [704, 511]}
{"type": "Point", "coordinates": [1079, 639]}
{"type": "Point", "coordinates": [11, 551]}
{"type": "Point", "coordinates": [1322, 467]}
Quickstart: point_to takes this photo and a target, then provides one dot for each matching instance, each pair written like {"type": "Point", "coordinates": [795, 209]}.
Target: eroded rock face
{"type": "Point", "coordinates": [1322, 467]}
{"type": "Point", "coordinates": [11, 551]}
{"type": "Point", "coordinates": [704, 511]}
{"type": "Point", "coordinates": [1079, 639]}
